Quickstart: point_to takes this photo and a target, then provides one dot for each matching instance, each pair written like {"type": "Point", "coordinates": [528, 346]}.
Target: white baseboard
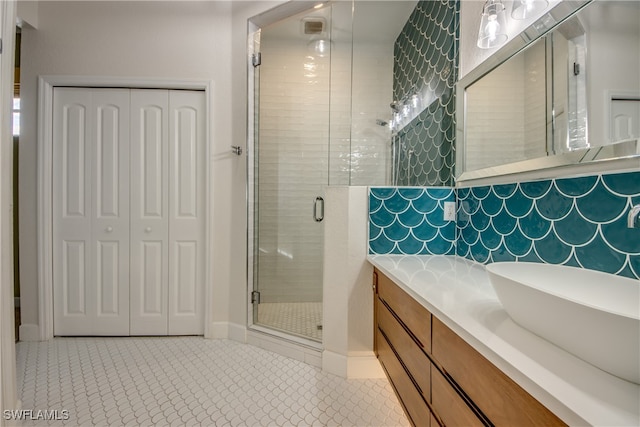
{"type": "Point", "coordinates": [364, 365]}
{"type": "Point", "coordinates": [227, 330]}
{"type": "Point", "coordinates": [361, 365]}
{"type": "Point", "coordinates": [218, 331]}
{"type": "Point", "coordinates": [29, 332]}
{"type": "Point", "coordinates": [334, 363]}
{"type": "Point", "coordinates": [237, 332]}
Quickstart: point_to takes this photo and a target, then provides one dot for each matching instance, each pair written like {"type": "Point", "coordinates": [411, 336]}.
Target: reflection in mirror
{"type": "Point", "coordinates": [571, 95]}
{"type": "Point", "coordinates": [569, 107]}
{"type": "Point", "coordinates": [613, 70]}
{"type": "Point", "coordinates": [505, 112]}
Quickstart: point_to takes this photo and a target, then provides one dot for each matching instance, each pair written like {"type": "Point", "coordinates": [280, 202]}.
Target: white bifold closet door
{"type": "Point", "coordinates": [91, 212]}
{"type": "Point", "coordinates": [128, 211]}
{"type": "Point", "coordinates": [167, 212]}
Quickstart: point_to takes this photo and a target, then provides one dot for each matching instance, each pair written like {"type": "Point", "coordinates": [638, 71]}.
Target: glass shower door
{"type": "Point", "coordinates": [290, 167]}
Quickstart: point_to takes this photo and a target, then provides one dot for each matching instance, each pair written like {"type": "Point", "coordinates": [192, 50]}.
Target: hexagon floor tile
{"type": "Point", "coordinates": [299, 318]}
{"type": "Point", "coordinates": [190, 381]}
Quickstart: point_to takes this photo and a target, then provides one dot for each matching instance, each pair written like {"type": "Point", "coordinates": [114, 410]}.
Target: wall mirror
{"type": "Point", "coordinates": [565, 91]}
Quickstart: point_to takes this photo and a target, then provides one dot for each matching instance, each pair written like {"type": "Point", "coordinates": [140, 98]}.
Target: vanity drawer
{"type": "Point", "coordinates": [410, 353]}
{"type": "Point", "coordinates": [414, 405]}
{"type": "Point", "coordinates": [434, 421]}
{"type": "Point", "coordinates": [452, 410]}
{"type": "Point", "coordinates": [497, 396]}
{"type": "Point", "coordinates": [413, 315]}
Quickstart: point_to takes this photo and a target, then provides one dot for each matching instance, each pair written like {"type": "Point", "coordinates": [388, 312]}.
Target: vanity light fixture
{"type": "Point", "coordinates": [523, 9]}
{"type": "Point", "coordinates": [493, 25]}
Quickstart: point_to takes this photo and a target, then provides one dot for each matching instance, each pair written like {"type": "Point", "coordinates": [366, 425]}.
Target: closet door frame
{"type": "Point", "coordinates": [46, 84]}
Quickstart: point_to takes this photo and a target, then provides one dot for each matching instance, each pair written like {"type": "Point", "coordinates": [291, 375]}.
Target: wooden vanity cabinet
{"type": "Point", "coordinates": [451, 408]}
{"type": "Point", "coordinates": [413, 315]}
{"type": "Point", "coordinates": [495, 394]}
{"type": "Point", "coordinates": [409, 395]}
{"type": "Point", "coordinates": [439, 378]}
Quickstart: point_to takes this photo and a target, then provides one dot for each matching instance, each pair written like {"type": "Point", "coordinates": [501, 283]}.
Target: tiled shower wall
{"type": "Point", "coordinates": [359, 151]}
{"type": "Point", "coordinates": [426, 64]}
{"type": "Point", "coordinates": [574, 221]}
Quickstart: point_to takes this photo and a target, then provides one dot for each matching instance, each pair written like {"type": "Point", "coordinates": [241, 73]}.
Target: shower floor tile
{"type": "Point", "coordinates": [299, 318]}
{"type": "Point", "coordinates": [190, 381]}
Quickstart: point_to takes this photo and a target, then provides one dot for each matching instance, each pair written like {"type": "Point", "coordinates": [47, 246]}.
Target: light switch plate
{"type": "Point", "coordinates": [449, 211]}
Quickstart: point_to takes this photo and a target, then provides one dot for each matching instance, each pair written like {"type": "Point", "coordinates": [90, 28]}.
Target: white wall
{"type": "Point", "coordinates": [348, 295]}
{"type": "Point", "coordinates": [156, 40]}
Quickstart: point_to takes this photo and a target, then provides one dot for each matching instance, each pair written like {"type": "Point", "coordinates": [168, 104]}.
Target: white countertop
{"type": "Point", "coordinates": [458, 292]}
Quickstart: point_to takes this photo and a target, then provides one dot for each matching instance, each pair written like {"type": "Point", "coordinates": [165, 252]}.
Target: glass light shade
{"type": "Point", "coordinates": [319, 47]}
{"type": "Point", "coordinates": [523, 9]}
{"type": "Point", "coordinates": [493, 25]}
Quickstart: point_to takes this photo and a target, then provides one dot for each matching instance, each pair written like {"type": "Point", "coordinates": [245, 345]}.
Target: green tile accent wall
{"type": "Point", "coordinates": [426, 63]}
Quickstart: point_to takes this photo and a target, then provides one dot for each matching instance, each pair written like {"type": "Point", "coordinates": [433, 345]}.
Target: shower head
{"type": "Point", "coordinates": [395, 106]}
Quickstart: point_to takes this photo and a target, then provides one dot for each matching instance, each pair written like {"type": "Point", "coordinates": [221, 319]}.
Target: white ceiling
{"type": "Point", "coordinates": [374, 21]}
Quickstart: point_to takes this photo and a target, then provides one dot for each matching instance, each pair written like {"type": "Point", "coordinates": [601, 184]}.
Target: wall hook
{"type": "Point", "coordinates": [236, 149]}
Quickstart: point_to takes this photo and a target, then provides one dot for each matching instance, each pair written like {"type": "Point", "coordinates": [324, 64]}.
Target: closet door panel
{"type": "Point", "coordinates": [149, 211]}
{"type": "Point", "coordinates": [71, 210]}
{"type": "Point", "coordinates": [73, 282]}
{"type": "Point", "coordinates": [90, 211]}
{"type": "Point", "coordinates": [110, 224]}
{"type": "Point", "coordinates": [187, 130]}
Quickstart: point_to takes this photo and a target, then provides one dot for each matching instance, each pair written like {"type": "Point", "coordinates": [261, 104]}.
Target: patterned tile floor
{"type": "Point", "coordinates": [190, 381]}
{"type": "Point", "coordinates": [299, 318]}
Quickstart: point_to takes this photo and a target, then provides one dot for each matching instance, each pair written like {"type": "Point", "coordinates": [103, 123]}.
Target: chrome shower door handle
{"type": "Point", "coordinates": [319, 201]}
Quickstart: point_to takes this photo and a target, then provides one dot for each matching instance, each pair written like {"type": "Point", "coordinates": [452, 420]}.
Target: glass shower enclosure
{"type": "Point", "coordinates": [320, 85]}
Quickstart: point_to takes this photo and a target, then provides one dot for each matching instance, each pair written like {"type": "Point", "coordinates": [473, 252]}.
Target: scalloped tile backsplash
{"type": "Point", "coordinates": [410, 220]}
{"type": "Point", "coordinates": [573, 221]}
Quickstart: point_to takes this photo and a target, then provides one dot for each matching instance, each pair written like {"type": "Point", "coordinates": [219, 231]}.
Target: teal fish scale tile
{"type": "Point", "coordinates": [574, 221]}
{"type": "Point", "coordinates": [426, 61]}
{"type": "Point", "coordinates": [410, 221]}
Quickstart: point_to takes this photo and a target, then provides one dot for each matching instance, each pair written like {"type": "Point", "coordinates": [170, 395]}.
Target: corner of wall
{"type": "Point", "coordinates": [27, 13]}
{"type": "Point", "coordinates": [227, 330]}
{"type": "Point", "coordinates": [347, 297]}
{"type": "Point", "coordinates": [334, 363]}
{"type": "Point", "coordinates": [363, 365]}
{"type": "Point", "coordinates": [29, 332]}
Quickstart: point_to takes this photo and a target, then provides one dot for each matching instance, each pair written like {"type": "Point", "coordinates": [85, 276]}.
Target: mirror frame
{"type": "Point", "coordinates": [542, 26]}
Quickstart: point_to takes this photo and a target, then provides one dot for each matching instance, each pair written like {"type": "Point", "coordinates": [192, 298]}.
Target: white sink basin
{"type": "Point", "coordinates": [593, 315]}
